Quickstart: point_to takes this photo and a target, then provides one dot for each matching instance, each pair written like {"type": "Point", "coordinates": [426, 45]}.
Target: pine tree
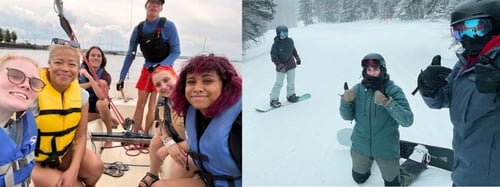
{"type": "Point", "coordinates": [255, 14]}
{"type": "Point", "coordinates": [306, 11]}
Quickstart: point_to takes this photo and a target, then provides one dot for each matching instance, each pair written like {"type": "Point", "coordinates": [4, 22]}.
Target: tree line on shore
{"type": "Point", "coordinates": [7, 36]}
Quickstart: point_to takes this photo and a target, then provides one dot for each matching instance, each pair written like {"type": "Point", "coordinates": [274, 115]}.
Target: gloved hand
{"type": "Point", "coordinates": [281, 68]}
{"type": "Point", "coordinates": [381, 99]}
{"type": "Point", "coordinates": [298, 60]}
{"type": "Point", "coordinates": [433, 77]}
{"type": "Point", "coordinates": [487, 75]}
{"type": "Point", "coordinates": [153, 67]}
{"type": "Point", "coordinates": [119, 85]}
{"type": "Point", "coordinates": [349, 94]}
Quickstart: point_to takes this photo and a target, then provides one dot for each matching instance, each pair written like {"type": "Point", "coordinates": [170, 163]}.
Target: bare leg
{"type": "Point", "coordinates": [139, 110]}
{"type": "Point", "coordinates": [105, 114]}
{"type": "Point", "coordinates": [151, 108]}
{"type": "Point", "coordinates": [155, 162]}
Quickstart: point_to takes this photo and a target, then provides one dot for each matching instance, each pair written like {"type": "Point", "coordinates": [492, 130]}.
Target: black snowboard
{"type": "Point", "coordinates": [440, 157]}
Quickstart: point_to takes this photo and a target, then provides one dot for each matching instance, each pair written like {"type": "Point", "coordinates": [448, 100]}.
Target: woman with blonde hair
{"type": "Point", "coordinates": [19, 84]}
{"type": "Point", "coordinates": [61, 116]}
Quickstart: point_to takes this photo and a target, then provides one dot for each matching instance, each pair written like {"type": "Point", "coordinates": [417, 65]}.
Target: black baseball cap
{"type": "Point", "coordinates": [161, 1]}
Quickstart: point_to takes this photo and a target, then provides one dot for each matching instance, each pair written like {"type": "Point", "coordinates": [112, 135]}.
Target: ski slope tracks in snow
{"type": "Point", "coordinates": [296, 145]}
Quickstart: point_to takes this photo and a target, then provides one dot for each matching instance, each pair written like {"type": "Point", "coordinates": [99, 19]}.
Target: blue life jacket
{"type": "Point", "coordinates": [17, 162]}
{"type": "Point", "coordinates": [211, 153]}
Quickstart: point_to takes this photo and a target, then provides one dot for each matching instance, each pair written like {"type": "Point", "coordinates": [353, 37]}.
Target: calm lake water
{"type": "Point", "coordinates": [114, 65]}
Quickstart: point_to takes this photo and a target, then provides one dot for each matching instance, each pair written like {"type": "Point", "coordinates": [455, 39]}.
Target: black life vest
{"type": "Point", "coordinates": [152, 45]}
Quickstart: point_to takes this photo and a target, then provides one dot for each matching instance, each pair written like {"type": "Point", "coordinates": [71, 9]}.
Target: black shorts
{"type": "Point", "coordinates": [93, 106]}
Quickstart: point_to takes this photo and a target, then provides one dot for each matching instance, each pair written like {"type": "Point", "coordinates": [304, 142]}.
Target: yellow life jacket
{"type": "Point", "coordinates": [57, 121]}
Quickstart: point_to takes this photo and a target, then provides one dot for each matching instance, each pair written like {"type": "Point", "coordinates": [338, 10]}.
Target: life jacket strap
{"type": "Point", "coordinates": [8, 170]}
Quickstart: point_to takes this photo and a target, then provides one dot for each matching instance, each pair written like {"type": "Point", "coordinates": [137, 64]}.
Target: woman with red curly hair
{"type": "Point", "coordinates": [208, 96]}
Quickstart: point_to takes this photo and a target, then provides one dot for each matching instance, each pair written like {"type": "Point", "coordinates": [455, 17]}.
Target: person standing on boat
{"type": "Point", "coordinates": [62, 157]}
{"type": "Point", "coordinates": [20, 84]}
{"type": "Point", "coordinates": [159, 43]}
{"type": "Point", "coordinates": [208, 96]}
{"type": "Point", "coordinates": [98, 103]}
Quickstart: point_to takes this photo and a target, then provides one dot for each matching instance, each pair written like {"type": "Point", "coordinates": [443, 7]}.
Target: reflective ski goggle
{"type": "Point", "coordinates": [17, 77]}
{"type": "Point", "coordinates": [472, 28]}
{"type": "Point", "coordinates": [283, 34]}
{"type": "Point", "coordinates": [60, 41]}
{"type": "Point", "coordinates": [370, 63]}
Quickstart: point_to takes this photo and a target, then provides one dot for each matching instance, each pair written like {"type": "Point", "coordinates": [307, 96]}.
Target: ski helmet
{"type": "Point", "coordinates": [471, 9]}
{"type": "Point", "coordinates": [374, 56]}
{"type": "Point", "coordinates": [375, 83]}
{"type": "Point", "coordinates": [281, 28]}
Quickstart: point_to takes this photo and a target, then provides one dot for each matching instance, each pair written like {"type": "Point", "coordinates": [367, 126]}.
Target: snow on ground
{"type": "Point", "coordinates": [296, 145]}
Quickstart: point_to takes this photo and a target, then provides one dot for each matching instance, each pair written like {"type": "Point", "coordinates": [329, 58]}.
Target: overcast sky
{"type": "Point", "coordinates": [203, 26]}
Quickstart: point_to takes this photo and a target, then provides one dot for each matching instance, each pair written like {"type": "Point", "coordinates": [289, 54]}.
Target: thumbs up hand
{"type": "Point", "coordinates": [349, 94]}
{"type": "Point", "coordinates": [433, 77]}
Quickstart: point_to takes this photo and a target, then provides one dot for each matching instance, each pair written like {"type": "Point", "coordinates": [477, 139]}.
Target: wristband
{"type": "Point", "coordinates": [168, 141]}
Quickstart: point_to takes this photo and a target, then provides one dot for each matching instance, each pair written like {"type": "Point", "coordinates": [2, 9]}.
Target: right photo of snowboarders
{"type": "Point", "coordinates": [469, 90]}
{"type": "Point", "coordinates": [464, 87]}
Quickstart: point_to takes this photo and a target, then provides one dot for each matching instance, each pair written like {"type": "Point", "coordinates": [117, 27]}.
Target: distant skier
{"type": "Point", "coordinates": [471, 91]}
{"type": "Point", "coordinates": [379, 107]}
{"type": "Point", "coordinates": [285, 57]}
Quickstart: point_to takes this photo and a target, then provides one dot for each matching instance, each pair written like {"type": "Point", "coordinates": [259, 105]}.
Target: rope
{"type": "Point", "coordinates": [69, 31]}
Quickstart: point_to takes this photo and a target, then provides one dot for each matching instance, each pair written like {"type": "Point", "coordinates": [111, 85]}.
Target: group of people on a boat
{"type": "Point", "coordinates": [44, 112]}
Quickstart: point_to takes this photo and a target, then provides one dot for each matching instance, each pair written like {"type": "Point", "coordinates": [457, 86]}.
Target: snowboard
{"type": "Point", "coordinates": [267, 108]}
{"type": "Point", "coordinates": [440, 157]}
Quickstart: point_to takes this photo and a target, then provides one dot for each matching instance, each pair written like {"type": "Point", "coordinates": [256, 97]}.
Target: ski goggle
{"type": "Point", "coordinates": [17, 77]}
{"type": "Point", "coordinates": [472, 28]}
{"type": "Point", "coordinates": [60, 41]}
{"type": "Point", "coordinates": [283, 34]}
{"type": "Point", "coordinates": [370, 63]}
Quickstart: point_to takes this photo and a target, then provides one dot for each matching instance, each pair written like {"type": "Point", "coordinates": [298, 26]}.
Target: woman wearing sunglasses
{"type": "Point", "coordinates": [62, 158]}
{"type": "Point", "coordinates": [20, 84]}
{"type": "Point", "coordinates": [471, 91]}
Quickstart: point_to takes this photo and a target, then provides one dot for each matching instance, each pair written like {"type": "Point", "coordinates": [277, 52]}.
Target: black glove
{"type": "Point", "coordinates": [298, 60]}
{"type": "Point", "coordinates": [487, 75]}
{"type": "Point", "coordinates": [119, 85]}
{"type": "Point", "coordinates": [153, 67]}
{"type": "Point", "coordinates": [433, 77]}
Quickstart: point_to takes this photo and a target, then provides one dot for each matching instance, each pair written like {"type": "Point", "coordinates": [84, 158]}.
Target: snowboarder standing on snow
{"type": "Point", "coordinates": [285, 57]}
{"type": "Point", "coordinates": [378, 107]}
{"type": "Point", "coordinates": [471, 91]}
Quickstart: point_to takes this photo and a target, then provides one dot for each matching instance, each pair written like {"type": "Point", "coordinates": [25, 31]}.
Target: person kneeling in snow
{"type": "Point", "coordinates": [378, 107]}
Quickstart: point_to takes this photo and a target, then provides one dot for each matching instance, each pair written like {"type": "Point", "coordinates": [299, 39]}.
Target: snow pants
{"type": "Point", "coordinates": [389, 167]}
{"type": "Point", "coordinates": [290, 81]}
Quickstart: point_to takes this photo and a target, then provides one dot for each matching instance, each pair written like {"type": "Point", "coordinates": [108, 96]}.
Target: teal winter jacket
{"type": "Point", "coordinates": [376, 127]}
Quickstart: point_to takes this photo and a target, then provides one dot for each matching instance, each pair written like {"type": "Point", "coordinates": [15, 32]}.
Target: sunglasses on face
{"type": "Point", "coordinates": [60, 41]}
{"type": "Point", "coordinates": [17, 77]}
{"type": "Point", "coordinates": [472, 28]}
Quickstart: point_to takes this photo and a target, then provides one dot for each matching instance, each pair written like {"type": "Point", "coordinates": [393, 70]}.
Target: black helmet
{"type": "Point", "coordinates": [281, 28]}
{"type": "Point", "coordinates": [470, 9]}
{"type": "Point", "coordinates": [374, 56]}
{"type": "Point", "coordinates": [375, 83]}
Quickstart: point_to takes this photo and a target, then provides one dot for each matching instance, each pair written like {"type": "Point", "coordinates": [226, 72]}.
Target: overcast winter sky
{"type": "Point", "coordinates": [109, 23]}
